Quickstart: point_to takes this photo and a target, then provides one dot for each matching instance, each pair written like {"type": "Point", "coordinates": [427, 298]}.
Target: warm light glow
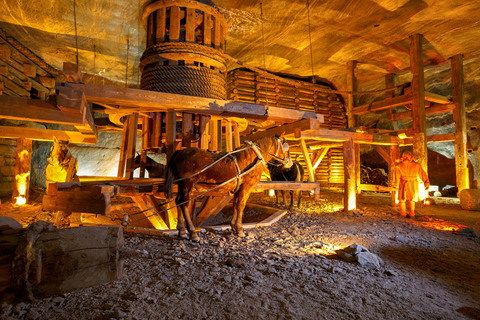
{"type": "Point", "coordinates": [20, 201]}
{"type": "Point", "coordinates": [271, 193]}
{"type": "Point", "coordinates": [440, 224]}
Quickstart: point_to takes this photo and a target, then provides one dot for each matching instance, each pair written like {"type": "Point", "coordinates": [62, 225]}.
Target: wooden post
{"type": "Point", "coordinates": [418, 103]}
{"type": "Point", "coordinates": [123, 149]}
{"type": "Point", "coordinates": [207, 29]}
{"type": "Point", "coordinates": [215, 127]}
{"type": "Point", "coordinates": [311, 172]}
{"type": "Point", "coordinates": [157, 129]}
{"type": "Point", "coordinates": [236, 135]}
{"type": "Point", "coordinates": [357, 167]}
{"type": "Point", "coordinates": [171, 131]}
{"type": "Point", "coordinates": [190, 25]}
{"type": "Point", "coordinates": [187, 130]}
{"type": "Point", "coordinates": [22, 171]}
{"type": "Point", "coordinates": [350, 189]}
{"type": "Point", "coordinates": [351, 86]}
{"type": "Point", "coordinates": [160, 25]}
{"type": "Point", "coordinates": [461, 158]}
{"type": "Point", "coordinates": [392, 182]}
{"type": "Point", "coordinates": [228, 135]}
{"type": "Point", "coordinates": [131, 145]}
{"type": "Point", "coordinates": [203, 130]}
{"type": "Point", "coordinates": [174, 31]}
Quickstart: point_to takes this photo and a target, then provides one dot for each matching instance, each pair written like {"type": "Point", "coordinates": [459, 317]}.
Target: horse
{"type": "Point", "coordinates": [154, 169]}
{"type": "Point", "coordinates": [234, 173]}
{"type": "Point", "coordinates": [281, 172]}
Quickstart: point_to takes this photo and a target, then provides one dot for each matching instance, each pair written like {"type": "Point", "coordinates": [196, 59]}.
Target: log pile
{"type": "Point", "coordinates": [331, 170]}
{"type": "Point", "coordinates": [41, 261]}
{"type": "Point", "coordinates": [375, 176]}
{"type": "Point", "coordinates": [249, 86]}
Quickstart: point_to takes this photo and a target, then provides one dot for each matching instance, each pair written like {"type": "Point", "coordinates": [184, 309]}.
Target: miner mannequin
{"type": "Point", "coordinates": [408, 174]}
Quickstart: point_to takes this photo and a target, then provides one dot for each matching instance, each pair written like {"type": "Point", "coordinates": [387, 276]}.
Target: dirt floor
{"type": "Point", "coordinates": [290, 270]}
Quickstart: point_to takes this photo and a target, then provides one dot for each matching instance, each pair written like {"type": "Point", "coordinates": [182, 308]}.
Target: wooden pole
{"type": "Point", "coordinates": [236, 135]}
{"type": "Point", "coordinates": [350, 188]}
{"type": "Point", "coordinates": [123, 149]}
{"type": "Point", "coordinates": [228, 135]}
{"type": "Point", "coordinates": [351, 86]}
{"type": "Point", "coordinates": [22, 171]}
{"type": "Point", "coordinates": [418, 103]}
{"type": "Point", "coordinates": [203, 130]}
{"type": "Point", "coordinates": [187, 130]}
{"type": "Point", "coordinates": [171, 130]}
{"type": "Point", "coordinates": [461, 158]}
{"type": "Point", "coordinates": [311, 172]}
{"type": "Point", "coordinates": [392, 182]}
{"type": "Point", "coordinates": [131, 145]}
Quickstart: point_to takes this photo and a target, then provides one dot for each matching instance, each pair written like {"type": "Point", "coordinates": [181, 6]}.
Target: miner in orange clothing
{"type": "Point", "coordinates": [409, 174]}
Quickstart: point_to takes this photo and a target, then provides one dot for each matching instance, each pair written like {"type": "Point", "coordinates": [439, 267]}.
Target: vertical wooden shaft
{"type": "Point", "coordinates": [157, 129]}
{"type": "Point", "coordinates": [207, 29]}
{"type": "Point", "coordinates": [214, 136]}
{"type": "Point", "coordinates": [174, 31]}
{"type": "Point", "coordinates": [161, 25]}
{"type": "Point", "coordinates": [392, 182]}
{"type": "Point", "coordinates": [203, 130]}
{"type": "Point", "coordinates": [461, 158]}
{"type": "Point", "coordinates": [131, 145]}
{"type": "Point", "coordinates": [311, 172]}
{"type": "Point", "coordinates": [151, 29]}
{"type": "Point", "coordinates": [236, 135]}
{"type": "Point", "coordinates": [143, 162]}
{"type": "Point", "coordinates": [190, 25]}
{"type": "Point", "coordinates": [187, 126]}
{"type": "Point", "coordinates": [123, 151]}
{"type": "Point", "coordinates": [357, 167]}
{"type": "Point", "coordinates": [350, 188]}
{"type": "Point", "coordinates": [23, 161]}
{"type": "Point", "coordinates": [171, 130]}
{"type": "Point", "coordinates": [228, 135]}
{"type": "Point", "coordinates": [351, 86]}
{"type": "Point", "coordinates": [418, 104]}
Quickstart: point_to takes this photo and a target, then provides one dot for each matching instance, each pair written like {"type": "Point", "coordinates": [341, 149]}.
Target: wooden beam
{"type": "Point", "coordinates": [382, 152]}
{"type": "Point", "coordinates": [351, 86]}
{"type": "Point", "coordinates": [72, 72]}
{"type": "Point", "coordinates": [187, 129]}
{"type": "Point", "coordinates": [171, 133]}
{"type": "Point", "coordinates": [418, 102]}
{"type": "Point", "coordinates": [358, 137]}
{"type": "Point", "coordinates": [203, 130]}
{"type": "Point", "coordinates": [123, 151]}
{"type": "Point", "coordinates": [174, 28]}
{"type": "Point", "coordinates": [461, 158]}
{"type": "Point", "coordinates": [320, 145]}
{"type": "Point", "coordinates": [236, 135]}
{"type": "Point", "coordinates": [383, 105]}
{"type": "Point", "coordinates": [160, 25]}
{"type": "Point", "coordinates": [150, 203]}
{"type": "Point", "coordinates": [286, 185]}
{"type": "Point", "coordinates": [36, 110]}
{"type": "Point", "coordinates": [389, 81]}
{"type": "Point", "coordinates": [439, 108]}
{"type": "Point", "coordinates": [190, 25]}
{"type": "Point", "coordinates": [228, 135]}
{"type": "Point", "coordinates": [350, 185]}
{"type": "Point", "coordinates": [131, 145]}
{"type": "Point", "coordinates": [287, 129]}
{"type": "Point", "coordinates": [320, 155]}
{"type": "Point", "coordinates": [441, 137]}
{"type": "Point", "coordinates": [437, 98]}
{"type": "Point", "coordinates": [45, 134]}
{"type": "Point", "coordinates": [310, 170]}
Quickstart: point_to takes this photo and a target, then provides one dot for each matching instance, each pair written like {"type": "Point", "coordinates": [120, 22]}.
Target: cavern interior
{"type": "Point", "coordinates": [223, 159]}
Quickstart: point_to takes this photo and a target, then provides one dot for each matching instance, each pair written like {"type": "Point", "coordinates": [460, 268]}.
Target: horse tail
{"type": "Point", "coordinates": [170, 175]}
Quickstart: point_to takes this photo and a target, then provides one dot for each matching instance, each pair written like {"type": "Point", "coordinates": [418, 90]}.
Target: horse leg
{"type": "Point", "coordinates": [182, 232]}
{"type": "Point", "coordinates": [283, 195]}
{"type": "Point", "coordinates": [188, 218]}
{"type": "Point", "coordinates": [299, 192]}
{"type": "Point", "coordinates": [291, 198]}
{"type": "Point", "coordinates": [239, 205]}
{"type": "Point", "coordinates": [276, 196]}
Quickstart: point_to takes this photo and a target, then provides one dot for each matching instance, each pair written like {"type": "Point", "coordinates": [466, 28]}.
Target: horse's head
{"type": "Point", "coordinates": [281, 148]}
{"type": "Point", "coordinates": [59, 151]}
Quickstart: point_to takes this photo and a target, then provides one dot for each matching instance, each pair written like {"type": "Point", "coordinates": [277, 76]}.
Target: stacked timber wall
{"type": "Point", "coordinates": [7, 165]}
{"type": "Point", "coordinates": [248, 86]}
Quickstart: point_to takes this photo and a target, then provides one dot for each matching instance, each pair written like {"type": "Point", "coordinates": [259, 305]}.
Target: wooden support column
{"type": "Point", "coordinates": [350, 188]}
{"type": "Point", "coordinates": [418, 103]}
{"type": "Point", "coordinates": [131, 145]}
{"type": "Point", "coordinates": [319, 155]}
{"type": "Point", "coordinates": [123, 151]}
{"type": "Point", "coordinates": [203, 131]}
{"type": "Point", "coordinates": [351, 86]}
{"type": "Point", "coordinates": [357, 167]}
{"type": "Point", "coordinates": [171, 130]}
{"type": "Point", "coordinates": [461, 158]}
{"type": "Point", "coordinates": [311, 172]}
{"type": "Point", "coordinates": [157, 130]}
{"type": "Point", "coordinates": [174, 31]}
{"type": "Point", "coordinates": [190, 25]}
{"type": "Point", "coordinates": [187, 127]}
{"type": "Point", "coordinates": [392, 182]}
{"type": "Point", "coordinates": [228, 136]}
{"type": "Point", "coordinates": [215, 130]}
{"type": "Point", "coordinates": [160, 25]}
{"type": "Point", "coordinates": [22, 171]}
{"type": "Point", "coordinates": [236, 135]}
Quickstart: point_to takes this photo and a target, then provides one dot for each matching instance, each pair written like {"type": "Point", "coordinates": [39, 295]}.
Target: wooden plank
{"type": "Point", "coordinates": [304, 125]}
{"type": "Point", "coordinates": [123, 151]}
{"type": "Point", "coordinates": [439, 108]}
{"type": "Point", "coordinates": [382, 152]}
{"type": "Point", "coordinates": [207, 29]}
{"type": "Point", "coordinates": [157, 129]}
{"type": "Point", "coordinates": [350, 185]}
{"type": "Point", "coordinates": [45, 134]}
{"type": "Point", "coordinates": [35, 110]}
{"type": "Point", "coordinates": [131, 145]}
{"type": "Point", "coordinates": [187, 129]}
{"type": "Point", "coordinates": [320, 145]}
{"type": "Point", "coordinates": [351, 86]}
{"type": "Point", "coordinates": [311, 172]}
{"type": "Point", "coordinates": [372, 187]}
{"type": "Point", "coordinates": [383, 105]}
{"type": "Point", "coordinates": [75, 201]}
{"type": "Point", "coordinates": [203, 130]}
{"type": "Point", "coordinates": [459, 116]}
{"type": "Point", "coordinates": [437, 98]}
{"type": "Point", "coordinates": [210, 207]}
{"type": "Point", "coordinates": [441, 137]}
{"type": "Point", "coordinates": [20, 90]}
{"type": "Point", "coordinates": [72, 72]}
{"type": "Point", "coordinates": [174, 27]}
{"type": "Point", "coordinates": [216, 31]}
{"type": "Point", "coordinates": [29, 70]}
{"type": "Point", "coordinates": [149, 202]}
{"type": "Point", "coordinates": [190, 25]}
{"type": "Point", "coordinates": [286, 185]}
{"type": "Point", "coordinates": [236, 135]}
{"type": "Point", "coordinates": [161, 25]}
{"type": "Point", "coordinates": [71, 100]}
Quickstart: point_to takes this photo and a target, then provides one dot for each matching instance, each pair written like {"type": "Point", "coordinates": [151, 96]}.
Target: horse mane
{"type": "Point", "coordinates": [263, 143]}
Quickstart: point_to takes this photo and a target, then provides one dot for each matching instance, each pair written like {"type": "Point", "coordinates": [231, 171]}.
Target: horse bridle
{"type": "Point", "coordinates": [287, 161]}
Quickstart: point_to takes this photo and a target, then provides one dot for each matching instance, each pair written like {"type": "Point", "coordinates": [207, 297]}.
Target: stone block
{"type": "Point", "coordinates": [470, 199]}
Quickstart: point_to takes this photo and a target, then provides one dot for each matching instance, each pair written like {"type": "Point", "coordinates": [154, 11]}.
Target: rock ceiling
{"type": "Point", "coordinates": [373, 32]}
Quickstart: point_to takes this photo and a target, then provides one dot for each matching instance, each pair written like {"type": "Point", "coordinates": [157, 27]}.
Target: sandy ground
{"type": "Point", "coordinates": [290, 270]}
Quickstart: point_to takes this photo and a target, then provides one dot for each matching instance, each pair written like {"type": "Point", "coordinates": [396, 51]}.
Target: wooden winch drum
{"type": "Point", "coordinates": [184, 39]}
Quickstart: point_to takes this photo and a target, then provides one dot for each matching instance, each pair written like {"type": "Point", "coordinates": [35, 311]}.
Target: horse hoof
{"type": "Point", "coordinates": [183, 236]}
{"type": "Point", "coordinates": [195, 238]}
{"type": "Point", "coordinates": [241, 234]}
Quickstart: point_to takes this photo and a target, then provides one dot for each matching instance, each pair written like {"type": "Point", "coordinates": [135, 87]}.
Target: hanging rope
{"type": "Point", "coordinates": [311, 54]}
{"type": "Point", "coordinates": [138, 43]}
{"type": "Point", "coordinates": [94, 56]}
{"type": "Point", "coordinates": [126, 65]}
{"type": "Point", "coordinates": [75, 21]}
{"type": "Point", "coordinates": [264, 60]}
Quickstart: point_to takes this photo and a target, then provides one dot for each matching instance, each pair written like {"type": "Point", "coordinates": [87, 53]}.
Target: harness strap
{"type": "Point", "coordinates": [257, 152]}
{"type": "Point", "coordinates": [239, 176]}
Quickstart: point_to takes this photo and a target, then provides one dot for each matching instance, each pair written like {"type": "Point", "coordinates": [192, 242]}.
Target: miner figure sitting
{"type": "Point", "coordinates": [409, 174]}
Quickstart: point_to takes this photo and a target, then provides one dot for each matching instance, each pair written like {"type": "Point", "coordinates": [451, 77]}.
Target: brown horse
{"type": "Point", "coordinates": [234, 174]}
